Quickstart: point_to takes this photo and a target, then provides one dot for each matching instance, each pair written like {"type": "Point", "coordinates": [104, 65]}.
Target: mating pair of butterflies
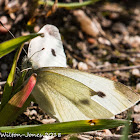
{"type": "Point", "coordinates": [68, 94]}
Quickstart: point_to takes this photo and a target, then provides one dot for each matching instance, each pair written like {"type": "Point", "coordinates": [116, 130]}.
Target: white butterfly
{"type": "Point", "coordinates": [69, 94]}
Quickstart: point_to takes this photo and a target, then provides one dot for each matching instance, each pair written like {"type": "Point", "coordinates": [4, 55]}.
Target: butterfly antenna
{"type": "Point", "coordinates": [35, 53]}
{"type": "Point", "coordinates": [24, 51]}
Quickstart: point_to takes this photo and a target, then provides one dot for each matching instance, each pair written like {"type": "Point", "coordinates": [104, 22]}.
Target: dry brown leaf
{"type": "Point", "coordinates": [87, 25]}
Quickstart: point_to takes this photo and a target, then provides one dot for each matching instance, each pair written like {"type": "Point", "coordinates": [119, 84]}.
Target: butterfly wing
{"type": "Point", "coordinates": [71, 95]}
{"type": "Point", "coordinates": [47, 51]}
{"type": "Point", "coordinates": [114, 96]}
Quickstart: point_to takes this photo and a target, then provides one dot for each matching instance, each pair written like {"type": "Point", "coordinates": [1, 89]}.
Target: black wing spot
{"type": "Point", "coordinates": [92, 122]}
{"type": "Point", "coordinates": [86, 102]}
{"type": "Point", "coordinates": [43, 49]}
{"type": "Point", "coordinates": [53, 52]}
{"type": "Point", "coordinates": [101, 94]}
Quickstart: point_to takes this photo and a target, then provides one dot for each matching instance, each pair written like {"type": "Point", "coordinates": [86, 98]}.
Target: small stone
{"type": "Point", "coordinates": [13, 16]}
{"type": "Point", "coordinates": [75, 63]}
{"type": "Point", "coordinates": [136, 72]}
{"type": "Point", "coordinates": [81, 46]}
{"type": "Point", "coordinates": [36, 28]}
{"type": "Point", "coordinates": [119, 129]}
{"type": "Point", "coordinates": [81, 36]}
{"type": "Point", "coordinates": [114, 15]}
{"type": "Point", "coordinates": [133, 41]}
{"type": "Point", "coordinates": [82, 66]}
{"type": "Point", "coordinates": [32, 104]}
{"type": "Point", "coordinates": [106, 23]}
{"type": "Point", "coordinates": [113, 7]}
{"type": "Point", "coordinates": [107, 64]}
{"type": "Point", "coordinates": [85, 137]}
{"type": "Point", "coordinates": [4, 66]}
{"type": "Point", "coordinates": [119, 27]}
{"type": "Point", "coordinates": [25, 33]}
{"type": "Point", "coordinates": [136, 118]}
{"type": "Point", "coordinates": [106, 132]}
{"type": "Point", "coordinates": [4, 74]}
{"type": "Point", "coordinates": [138, 128]}
{"type": "Point", "coordinates": [27, 112]}
{"type": "Point", "coordinates": [136, 136]}
{"type": "Point", "coordinates": [137, 108]}
{"type": "Point", "coordinates": [138, 87]}
{"type": "Point", "coordinates": [91, 41]}
{"type": "Point", "coordinates": [104, 52]}
{"type": "Point", "coordinates": [5, 29]}
{"type": "Point", "coordinates": [33, 112]}
{"type": "Point", "coordinates": [46, 121]}
{"type": "Point", "coordinates": [98, 138]}
{"type": "Point", "coordinates": [104, 41]}
{"type": "Point", "coordinates": [90, 63]}
{"type": "Point", "coordinates": [48, 137]}
{"type": "Point", "coordinates": [117, 72]}
{"type": "Point", "coordinates": [19, 18]}
{"type": "Point", "coordinates": [4, 19]}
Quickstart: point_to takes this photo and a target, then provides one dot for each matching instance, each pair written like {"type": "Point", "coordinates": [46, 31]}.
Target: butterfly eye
{"type": "Point", "coordinates": [29, 64]}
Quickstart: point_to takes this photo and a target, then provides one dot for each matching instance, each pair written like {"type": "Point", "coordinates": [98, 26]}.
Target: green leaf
{"type": "Point", "coordinates": [9, 46]}
{"type": "Point", "coordinates": [72, 5]}
{"type": "Point", "coordinates": [9, 83]}
{"type": "Point", "coordinates": [65, 127]}
{"type": "Point", "coordinates": [127, 127]}
{"type": "Point", "coordinates": [15, 105]}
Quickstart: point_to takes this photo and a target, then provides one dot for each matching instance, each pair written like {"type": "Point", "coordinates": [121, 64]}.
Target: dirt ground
{"type": "Point", "coordinates": [112, 49]}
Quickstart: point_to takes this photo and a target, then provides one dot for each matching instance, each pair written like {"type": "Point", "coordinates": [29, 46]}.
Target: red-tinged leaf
{"type": "Point", "coordinates": [26, 91]}
{"type": "Point", "coordinates": [15, 105]}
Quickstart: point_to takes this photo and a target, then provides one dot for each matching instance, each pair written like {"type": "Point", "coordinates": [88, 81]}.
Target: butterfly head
{"type": "Point", "coordinates": [46, 51]}
{"type": "Point", "coordinates": [26, 63]}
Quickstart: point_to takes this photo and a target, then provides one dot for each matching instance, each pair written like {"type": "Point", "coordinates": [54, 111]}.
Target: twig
{"type": "Point", "coordinates": [120, 69]}
{"type": "Point", "coordinates": [71, 5]}
{"type": "Point", "coordinates": [7, 30]}
{"type": "Point", "coordinates": [11, 34]}
{"type": "Point", "coordinates": [106, 137]}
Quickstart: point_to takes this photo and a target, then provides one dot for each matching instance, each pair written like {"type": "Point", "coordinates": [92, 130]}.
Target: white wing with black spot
{"type": "Point", "coordinates": [47, 51]}
{"type": "Point", "coordinates": [70, 95]}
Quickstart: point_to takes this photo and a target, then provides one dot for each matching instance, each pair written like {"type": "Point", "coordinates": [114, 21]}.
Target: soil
{"type": "Point", "coordinates": [114, 52]}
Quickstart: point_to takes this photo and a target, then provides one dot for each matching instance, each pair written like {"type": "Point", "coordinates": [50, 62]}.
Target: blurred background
{"type": "Point", "coordinates": [102, 37]}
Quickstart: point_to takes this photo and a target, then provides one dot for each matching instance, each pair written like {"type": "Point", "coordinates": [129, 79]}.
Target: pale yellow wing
{"type": "Point", "coordinates": [66, 99]}
{"type": "Point", "coordinates": [74, 95]}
